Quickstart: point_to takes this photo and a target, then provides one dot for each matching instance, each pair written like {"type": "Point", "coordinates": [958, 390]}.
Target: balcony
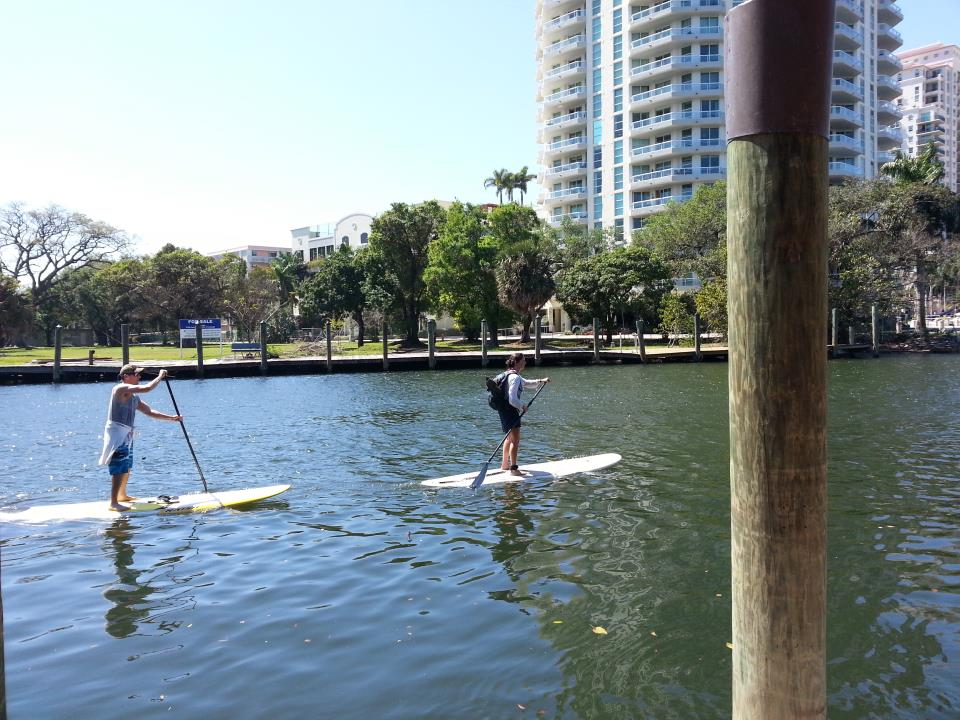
{"type": "Point", "coordinates": [888, 38]}
{"type": "Point", "coordinates": [680, 118]}
{"type": "Point", "coordinates": [551, 6]}
{"type": "Point", "coordinates": [849, 11]}
{"type": "Point", "coordinates": [676, 36]}
{"type": "Point", "coordinates": [888, 12]}
{"type": "Point", "coordinates": [679, 90]}
{"type": "Point", "coordinates": [845, 91]}
{"type": "Point", "coordinates": [839, 170]}
{"type": "Point", "coordinates": [844, 145]}
{"type": "Point", "coordinates": [684, 146]}
{"type": "Point", "coordinates": [568, 170]}
{"type": "Point", "coordinates": [571, 69]}
{"type": "Point", "coordinates": [888, 113]}
{"type": "Point", "coordinates": [577, 42]}
{"type": "Point", "coordinates": [846, 37]}
{"type": "Point", "coordinates": [846, 63]}
{"type": "Point", "coordinates": [675, 175]}
{"type": "Point", "coordinates": [885, 156]}
{"type": "Point", "coordinates": [889, 137]}
{"type": "Point", "coordinates": [660, 202]}
{"type": "Point", "coordinates": [568, 20]}
{"type": "Point", "coordinates": [577, 216]}
{"type": "Point", "coordinates": [675, 63]}
{"type": "Point", "coordinates": [570, 119]}
{"type": "Point", "coordinates": [842, 117]}
{"type": "Point", "coordinates": [564, 96]}
{"type": "Point", "coordinates": [675, 8]}
{"type": "Point", "coordinates": [567, 145]}
{"type": "Point", "coordinates": [887, 88]}
{"type": "Point", "coordinates": [888, 63]}
{"type": "Point", "coordinates": [574, 192]}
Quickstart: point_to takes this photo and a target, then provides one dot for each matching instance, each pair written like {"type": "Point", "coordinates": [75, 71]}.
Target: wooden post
{"type": "Point", "coordinates": [696, 337]}
{"type": "Point", "coordinates": [125, 342]}
{"type": "Point", "coordinates": [329, 334]}
{"type": "Point", "coordinates": [432, 344]}
{"type": "Point", "coordinates": [834, 330]}
{"type": "Point", "coordinates": [90, 354]}
{"type": "Point", "coordinates": [386, 358]}
{"type": "Point", "coordinates": [483, 343]}
{"type": "Point", "coordinates": [596, 340]}
{"type": "Point", "coordinates": [263, 348]}
{"type": "Point", "coordinates": [641, 344]}
{"type": "Point", "coordinates": [778, 77]}
{"type": "Point", "coordinates": [57, 350]}
{"type": "Point", "coordinates": [874, 331]}
{"type": "Point", "coordinates": [851, 336]}
{"type": "Point", "coordinates": [536, 340]}
{"type": "Point", "coordinates": [199, 336]}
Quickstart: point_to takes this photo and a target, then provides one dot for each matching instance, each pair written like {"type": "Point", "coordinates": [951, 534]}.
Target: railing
{"type": "Point", "coordinates": [563, 20]}
{"type": "Point", "coordinates": [568, 192]}
{"type": "Point", "coordinates": [568, 93]}
{"type": "Point", "coordinates": [840, 112]}
{"type": "Point", "coordinates": [680, 116]}
{"type": "Point", "coordinates": [848, 59]}
{"type": "Point", "coordinates": [656, 202]}
{"type": "Point", "coordinates": [569, 142]}
{"type": "Point", "coordinates": [889, 57]}
{"type": "Point", "coordinates": [686, 33]}
{"type": "Point", "coordinates": [576, 215]}
{"type": "Point", "coordinates": [887, 30]}
{"type": "Point", "coordinates": [852, 5]}
{"type": "Point", "coordinates": [889, 108]}
{"type": "Point", "coordinates": [686, 145]}
{"type": "Point", "coordinates": [842, 168]}
{"type": "Point", "coordinates": [681, 172]}
{"type": "Point", "coordinates": [849, 32]}
{"type": "Point", "coordinates": [675, 60]}
{"type": "Point", "coordinates": [562, 45]}
{"type": "Point", "coordinates": [569, 117]}
{"type": "Point", "coordinates": [852, 88]}
{"type": "Point", "coordinates": [566, 168]}
{"type": "Point", "coordinates": [678, 88]}
{"type": "Point", "coordinates": [564, 69]}
{"type": "Point", "coordinates": [676, 6]}
{"type": "Point", "coordinates": [848, 142]}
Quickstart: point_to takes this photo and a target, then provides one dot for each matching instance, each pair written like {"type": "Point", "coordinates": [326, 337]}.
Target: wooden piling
{"type": "Point", "coordinates": [874, 331]}
{"type": "Point", "coordinates": [329, 334]}
{"type": "Point", "coordinates": [596, 340]}
{"type": "Point", "coordinates": [432, 344]}
{"type": "Point", "coordinates": [536, 341]}
{"type": "Point", "coordinates": [641, 343]}
{"type": "Point", "coordinates": [696, 337]}
{"type": "Point", "coordinates": [834, 332]}
{"type": "Point", "coordinates": [483, 343]}
{"type": "Point", "coordinates": [125, 342]}
{"type": "Point", "coordinates": [264, 367]}
{"type": "Point", "coordinates": [57, 351]}
{"type": "Point", "coordinates": [90, 354]}
{"type": "Point", "coordinates": [851, 335]}
{"type": "Point", "coordinates": [778, 79]}
{"type": "Point", "coordinates": [198, 328]}
{"type": "Point", "coordinates": [386, 355]}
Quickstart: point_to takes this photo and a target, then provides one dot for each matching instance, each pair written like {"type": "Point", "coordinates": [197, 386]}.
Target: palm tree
{"type": "Point", "coordinates": [521, 179]}
{"type": "Point", "coordinates": [501, 180]}
{"type": "Point", "coordinates": [525, 282]}
{"type": "Point", "coordinates": [289, 272]}
{"type": "Point", "coordinates": [925, 168]}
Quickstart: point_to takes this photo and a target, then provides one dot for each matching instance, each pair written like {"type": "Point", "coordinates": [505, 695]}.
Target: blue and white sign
{"type": "Point", "coordinates": [210, 329]}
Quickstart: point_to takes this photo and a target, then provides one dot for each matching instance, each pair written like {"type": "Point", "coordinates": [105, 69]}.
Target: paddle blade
{"type": "Point", "coordinates": [478, 480]}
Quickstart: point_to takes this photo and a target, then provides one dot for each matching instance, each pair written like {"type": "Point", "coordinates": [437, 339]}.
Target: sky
{"type": "Point", "coordinates": [216, 123]}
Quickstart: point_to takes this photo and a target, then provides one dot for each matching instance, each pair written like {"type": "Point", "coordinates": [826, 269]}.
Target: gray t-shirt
{"type": "Point", "coordinates": [123, 411]}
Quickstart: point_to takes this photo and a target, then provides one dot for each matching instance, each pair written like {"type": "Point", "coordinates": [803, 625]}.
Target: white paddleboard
{"type": "Point", "coordinates": [100, 509]}
{"type": "Point", "coordinates": [536, 471]}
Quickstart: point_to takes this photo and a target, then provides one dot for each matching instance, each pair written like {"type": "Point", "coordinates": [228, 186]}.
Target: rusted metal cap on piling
{"type": "Point", "coordinates": [778, 67]}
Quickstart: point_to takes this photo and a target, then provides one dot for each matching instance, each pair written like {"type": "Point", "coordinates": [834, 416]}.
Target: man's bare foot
{"type": "Point", "coordinates": [117, 507]}
{"type": "Point", "coordinates": [516, 473]}
{"type": "Point", "coordinates": [126, 498]}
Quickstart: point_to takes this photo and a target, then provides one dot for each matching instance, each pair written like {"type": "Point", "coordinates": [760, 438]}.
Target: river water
{"type": "Point", "coordinates": [360, 594]}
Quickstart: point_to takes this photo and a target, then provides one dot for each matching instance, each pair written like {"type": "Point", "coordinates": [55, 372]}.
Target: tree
{"type": "Point", "coordinates": [605, 285]}
{"type": "Point", "coordinates": [711, 303]}
{"type": "Point", "coordinates": [38, 246]}
{"type": "Point", "coordinates": [290, 271]}
{"type": "Point", "coordinates": [525, 282]}
{"type": "Point", "coordinates": [14, 310]}
{"type": "Point", "coordinates": [335, 289]}
{"type": "Point", "coordinates": [925, 168]}
{"type": "Point", "coordinates": [401, 237]}
{"type": "Point", "coordinates": [501, 180]}
{"type": "Point", "coordinates": [180, 283]}
{"type": "Point", "coordinates": [691, 236]}
{"type": "Point", "coordinates": [461, 272]}
{"type": "Point", "coordinates": [676, 315]}
{"type": "Point", "coordinates": [521, 179]}
{"type": "Point", "coordinates": [248, 298]}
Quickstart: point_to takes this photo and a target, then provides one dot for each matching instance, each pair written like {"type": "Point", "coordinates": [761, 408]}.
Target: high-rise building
{"type": "Point", "coordinates": [930, 103]}
{"type": "Point", "coordinates": [632, 104]}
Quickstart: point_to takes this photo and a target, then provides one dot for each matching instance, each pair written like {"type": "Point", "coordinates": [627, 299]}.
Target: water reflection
{"type": "Point", "coordinates": [128, 595]}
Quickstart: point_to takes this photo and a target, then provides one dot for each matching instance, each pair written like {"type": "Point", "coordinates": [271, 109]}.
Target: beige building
{"type": "Point", "coordinates": [253, 255]}
{"type": "Point", "coordinates": [631, 102]}
{"type": "Point", "coordinates": [930, 83]}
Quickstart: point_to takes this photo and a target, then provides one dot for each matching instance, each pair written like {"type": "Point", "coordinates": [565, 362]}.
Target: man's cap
{"type": "Point", "coordinates": [130, 369]}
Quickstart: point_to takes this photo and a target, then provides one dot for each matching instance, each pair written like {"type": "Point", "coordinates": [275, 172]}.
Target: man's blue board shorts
{"type": "Point", "coordinates": [121, 461]}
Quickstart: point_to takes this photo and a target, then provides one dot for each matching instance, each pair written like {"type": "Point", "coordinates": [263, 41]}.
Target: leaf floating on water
{"type": "Point", "coordinates": [730, 645]}
{"type": "Point", "coordinates": [599, 630]}
{"type": "Point", "coordinates": [521, 707]}
{"type": "Point", "coordinates": [558, 622]}
{"type": "Point", "coordinates": [653, 632]}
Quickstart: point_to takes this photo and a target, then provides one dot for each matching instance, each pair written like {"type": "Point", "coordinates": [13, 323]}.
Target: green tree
{"type": "Point", "coordinates": [925, 168]}
{"type": "Point", "coordinates": [180, 283]}
{"type": "Point", "coordinates": [401, 238]}
{"type": "Point", "coordinates": [676, 315]}
{"type": "Point", "coordinates": [690, 237]}
{"type": "Point", "coordinates": [248, 298]}
{"type": "Point", "coordinates": [520, 180]}
{"type": "Point", "coordinates": [461, 272]}
{"type": "Point", "coordinates": [711, 303]}
{"type": "Point", "coordinates": [290, 271]}
{"type": "Point", "coordinates": [609, 284]}
{"type": "Point", "coordinates": [336, 289]}
{"type": "Point", "coordinates": [14, 311]}
{"type": "Point", "coordinates": [501, 180]}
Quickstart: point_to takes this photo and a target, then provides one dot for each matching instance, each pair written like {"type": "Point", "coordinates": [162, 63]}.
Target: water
{"type": "Point", "coordinates": [359, 594]}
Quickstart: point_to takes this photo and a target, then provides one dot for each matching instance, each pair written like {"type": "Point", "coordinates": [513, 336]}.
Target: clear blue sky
{"type": "Point", "coordinates": [216, 123]}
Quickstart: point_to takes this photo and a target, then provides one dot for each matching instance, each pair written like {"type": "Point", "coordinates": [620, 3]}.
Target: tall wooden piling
{"type": "Point", "coordinates": [125, 342]}
{"type": "Point", "coordinates": [834, 331]}
{"type": "Point", "coordinates": [778, 79]}
{"type": "Point", "coordinates": [874, 331]}
{"type": "Point", "coordinates": [57, 351]}
{"type": "Point", "coordinates": [596, 340]}
{"type": "Point", "coordinates": [851, 335]}
{"type": "Point", "coordinates": [329, 335]}
{"type": "Point", "coordinates": [264, 367]}
{"type": "Point", "coordinates": [536, 341]}
{"type": "Point", "coordinates": [386, 355]}
{"type": "Point", "coordinates": [432, 344]}
{"type": "Point", "coordinates": [641, 344]}
{"type": "Point", "coordinates": [198, 330]}
{"type": "Point", "coordinates": [483, 343]}
{"type": "Point", "coordinates": [696, 337]}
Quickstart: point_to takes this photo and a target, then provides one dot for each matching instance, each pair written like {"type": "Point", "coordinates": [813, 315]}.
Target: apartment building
{"type": "Point", "coordinates": [631, 102]}
{"type": "Point", "coordinates": [252, 255]}
{"type": "Point", "coordinates": [930, 102]}
{"type": "Point", "coordinates": [318, 241]}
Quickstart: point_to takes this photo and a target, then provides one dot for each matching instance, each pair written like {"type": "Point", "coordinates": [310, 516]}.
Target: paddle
{"type": "Point", "coordinates": [184, 428]}
{"type": "Point", "coordinates": [478, 481]}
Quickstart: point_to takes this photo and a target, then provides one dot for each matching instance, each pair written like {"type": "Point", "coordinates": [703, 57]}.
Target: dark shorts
{"type": "Point", "coordinates": [509, 418]}
{"type": "Point", "coordinates": [122, 460]}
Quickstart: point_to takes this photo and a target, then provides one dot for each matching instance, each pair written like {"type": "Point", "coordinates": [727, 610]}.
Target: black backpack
{"type": "Point", "coordinates": [498, 392]}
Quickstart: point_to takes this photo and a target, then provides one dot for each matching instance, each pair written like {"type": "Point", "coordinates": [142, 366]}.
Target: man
{"type": "Point", "coordinates": [118, 432]}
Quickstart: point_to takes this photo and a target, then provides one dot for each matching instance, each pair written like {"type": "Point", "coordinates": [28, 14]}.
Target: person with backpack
{"type": "Point", "coordinates": [512, 384]}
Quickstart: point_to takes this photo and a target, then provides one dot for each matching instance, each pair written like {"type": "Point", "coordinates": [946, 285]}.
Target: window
{"type": "Point", "coordinates": [618, 20]}
{"type": "Point", "coordinates": [299, 254]}
{"type": "Point", "coordinates": [596, 30]}
{"type": "Point", "coordinates": [596, 53]}
{"type": "Point", "coordinates": [345, 240]}
{"type": "Point", "coordinates": [364, 238]}
{"type": "Point", "coordinates": [618, 204]}
{"type": "Point", "coordinates": [617, 47]}
{"type": "Point", "coordinates": [596, 105]}
{"type": "Point", "coordinates": [597, 207]}
{"type": "Point", "coordinates": [597, 131]}
{"type": "Point", "coordinates": [596, 7]}
{"type": "Point", "coordinates": [617, 152]}
{"type": "Point", "coordinates": [597, 157]}
{"type": "Point", "coordinates": [618, 178]}
{"type": "Point", "coordinates": [618, 73]}
{"type": "Point", "coordinates": [618, 125]}
{"type": "Point", "coordinates": [617, 99]}
{"type": "Point", "coordinates": [710, 51]}
{"type": "Point", "coordinates": [596, 80]}
{"type": "Point", "coordinates": [597, 182]}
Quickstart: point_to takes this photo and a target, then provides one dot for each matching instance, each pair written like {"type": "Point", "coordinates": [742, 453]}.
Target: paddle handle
{"type": "Point", "coordinates": [185, 435]}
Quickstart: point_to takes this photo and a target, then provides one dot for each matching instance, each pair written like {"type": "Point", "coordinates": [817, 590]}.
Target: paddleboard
{"type": "Point", "coordinates": [196, 502]}
{"type": "Point", "coordinates": [536, 471]}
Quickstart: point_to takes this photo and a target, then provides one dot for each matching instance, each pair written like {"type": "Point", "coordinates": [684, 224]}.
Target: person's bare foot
{"type": "Point", "coordinates": [516, 473]}
{"type": "Point", "coordinates": [117, 507]}
{"type": "Point", "coordinates": [126, 498]}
